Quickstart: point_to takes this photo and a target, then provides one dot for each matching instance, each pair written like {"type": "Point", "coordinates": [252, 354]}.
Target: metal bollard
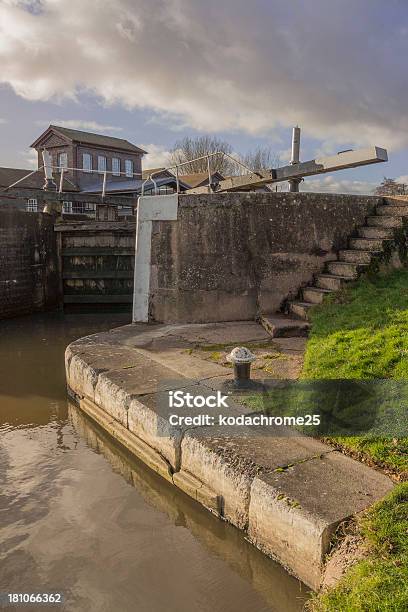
{"type": "Point", "coordinates": [241, 358]}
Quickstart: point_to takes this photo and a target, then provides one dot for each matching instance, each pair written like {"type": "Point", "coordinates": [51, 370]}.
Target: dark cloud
{"type": "Point", "coordinates": [337, 68]}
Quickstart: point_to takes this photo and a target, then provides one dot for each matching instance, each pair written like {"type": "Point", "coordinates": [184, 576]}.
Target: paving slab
{"type": "Point", "coordinates": [294, 513]}
{"type": "Point", "coordinates": [84, 364]}
{"type": "Point", "coordinates": [156, 337]}
{"type": "Point", "coordinates": [291, 346]}
{"type": "Point", "coordinates": [229, 462]}
{"type": "Point", "coordinates": [115, 389]}
{"type": "Point", "coordinates": [149, 418]}
{"type": "Point", "coordinates": [185, 365]}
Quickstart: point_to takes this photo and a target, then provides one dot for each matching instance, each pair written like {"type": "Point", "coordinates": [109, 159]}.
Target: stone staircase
{"type": "Point", "coordinates": [370, 243]}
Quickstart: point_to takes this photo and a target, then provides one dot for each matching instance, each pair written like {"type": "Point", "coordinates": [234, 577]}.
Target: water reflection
{"type": "Point", "coordinates": [281, 591]}
{"type": "Point", "coordinates": [79, 515]}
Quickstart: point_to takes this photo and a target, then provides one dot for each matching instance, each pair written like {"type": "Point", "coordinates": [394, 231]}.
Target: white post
{"type": "Point", "coordinates": [104, 185]}
{"type": "Point", "coordinates": [49, 179]}
{"type": "Point", "coordinates": [149, 209]}
{"type": "Point", "coordinates": [209, 174]}
{"type": "Point", "coordinates": [61, 180]}
{"type": "Point", "coordinates": [295, 158]}
{"type": "Point", "coordinates": [295, 146]}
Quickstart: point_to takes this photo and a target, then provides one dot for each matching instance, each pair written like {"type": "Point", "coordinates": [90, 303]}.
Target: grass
{"type": "Point", "coordinates": [379, 583]}
{"type": "Point", "coordinates": [362, 333]}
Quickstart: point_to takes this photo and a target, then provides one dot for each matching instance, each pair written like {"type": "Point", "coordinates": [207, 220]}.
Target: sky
{"type": "Point", "coordinates": [153, 71]}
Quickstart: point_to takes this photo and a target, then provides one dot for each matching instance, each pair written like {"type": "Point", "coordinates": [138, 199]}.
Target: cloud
{"type": "Point", "coordinates": [30, 157]}
{"type": "Point", "coordinates": [79, 124]}
{"type": "Point", "coordinates": [337, 68]}
{"type": "Point", "coordinates": [331, 184]}
{"type": "Point", "coordinates": [157, 157]}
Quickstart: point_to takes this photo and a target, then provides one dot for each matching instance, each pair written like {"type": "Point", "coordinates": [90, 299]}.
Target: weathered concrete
{"type": "Point", "coordinates": [287, 491]}
{"type": "Point", "coordinates": [229, 463]}
{"type": "Point", "coordinates": [280, 326]}
{"type": "Point", "coordinates": [294, 513]}
{"type": "Point", "coordinates": [28, 263]}
{"type": "Point", "coordinates": [235, 256]}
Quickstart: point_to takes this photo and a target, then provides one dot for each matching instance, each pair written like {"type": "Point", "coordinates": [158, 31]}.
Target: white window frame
{"type": "Point", "coordinates": [129, 168]}
{"type": "Point", "coordinates": [102, 164]}
{"type": "Point", "coordinates": [85, 167]}
{"type": "Point", "coordinates": [115, 166]}
{"type": "Point", "coordinates": [62, 156]}
{"type": "Point", "coordinates": [32, 205]}
{"type": "Point", "coordinates": [67, 208]}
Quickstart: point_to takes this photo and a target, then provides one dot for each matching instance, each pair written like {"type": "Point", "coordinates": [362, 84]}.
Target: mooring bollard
{"type": "Point", "coordinates": [241, 358]}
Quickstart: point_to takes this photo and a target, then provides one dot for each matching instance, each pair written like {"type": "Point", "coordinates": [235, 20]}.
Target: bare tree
{"type": "Point", "coordinates": [390, 187]}
{"type": "Point", "coordinates": [261, 158]}
{"type": "Point", "coordinates": [190, 148]}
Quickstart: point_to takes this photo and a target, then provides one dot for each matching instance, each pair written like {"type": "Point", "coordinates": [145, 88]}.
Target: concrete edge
{"type": "Point", "coordinates": [140, 449]}
{"type": "Point", "coordinates": [270, 526]}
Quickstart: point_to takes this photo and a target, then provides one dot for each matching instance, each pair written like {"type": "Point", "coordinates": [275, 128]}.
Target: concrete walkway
{"type": "Point", "coordinates": [286, 491]}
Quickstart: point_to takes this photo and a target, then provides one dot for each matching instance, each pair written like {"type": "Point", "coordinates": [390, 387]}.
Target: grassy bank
{"type": "Point", "coordinates": [363, 334]}
{"type": "Point", "coordinates": [380, 582]}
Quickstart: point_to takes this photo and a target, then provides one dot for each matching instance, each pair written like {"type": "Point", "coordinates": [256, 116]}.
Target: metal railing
{"type": "Point", "coordinates": [176, 167]}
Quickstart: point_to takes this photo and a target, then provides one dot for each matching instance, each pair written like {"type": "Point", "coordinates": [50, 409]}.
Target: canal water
{"type": "Point", "coordinates": [79, 516]}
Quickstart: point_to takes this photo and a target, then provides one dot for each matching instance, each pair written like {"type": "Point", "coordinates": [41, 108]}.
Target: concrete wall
{"type": "Point", "coordinates": [28, 263]}
{"type": "Point", "coordinates": [230, 256]}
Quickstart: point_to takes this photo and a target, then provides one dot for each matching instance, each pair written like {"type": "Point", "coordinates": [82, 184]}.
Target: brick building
{"type": "Point", "coordinates": [85, 155]}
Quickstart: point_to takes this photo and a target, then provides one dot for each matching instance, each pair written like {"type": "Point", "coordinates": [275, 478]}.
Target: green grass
{"type": "Point", "coordinates": [362, 333]}
{"type": "Point", "coordinates": [380, 582]}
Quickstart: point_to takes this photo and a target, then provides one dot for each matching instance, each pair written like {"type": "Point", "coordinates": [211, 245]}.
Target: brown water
{"type": "Point", "coordinates": [78, 515]}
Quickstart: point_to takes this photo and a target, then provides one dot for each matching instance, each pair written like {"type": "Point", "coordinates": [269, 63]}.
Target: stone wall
{"type": "Point", "coordinates": [28, 263]}
{"type": "Point", "coordinates": [231, 256]}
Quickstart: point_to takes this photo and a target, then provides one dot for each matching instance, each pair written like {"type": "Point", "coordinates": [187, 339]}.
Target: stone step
{"type": "Point", "coordinates": [357, 256]}
{"type": "Point", "coordinates": [396, 201]}
{"type": "Point", "coordinates": [331, 281]}
{"type": "Point", "coordinates": [300, 309]}
{"type": "Point", "coordinates": [314, 295]}
{"type": "Point", "coordinates": [384, 221]}
{"type": "Point", "coordinates": [377, 233]}
{"type": "Point", "coordinates": [398, 211]}
{"type": "Point", "coordinates": [282, 326]}
{"type": "Point", "coordinates": [367, 244]}
{"type": "Point", "coordinates": [343, 268]}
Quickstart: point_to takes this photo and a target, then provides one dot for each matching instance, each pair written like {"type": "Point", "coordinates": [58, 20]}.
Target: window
{"type": "Point", "coordinates": [62, 160]}
{"type": "Point", "coordinates": [115, 166]}
{"type": "Point", "coordinates": [79, 208]}
{"type": "Point", "coordinates": [166, 189]}
{"type": "Point", "coordinates": [101, 163]}
{"type": "Point", "coordinates": [129, 168]}
{"type": "Point", "coordinates": [86, 162]}
{"type": "Point", "coordinates": [32, 205]}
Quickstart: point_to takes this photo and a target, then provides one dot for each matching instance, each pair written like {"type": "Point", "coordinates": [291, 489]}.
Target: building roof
{"type": "Point", "coordinates": [8, 176]}
{"type": "Point", "coordinates": [133, 185]}
{"type": "Point", "coordinates": [89, 138]}
{"type": "Point", "coordinates": [163, 172]}
{"type": "Point", "coordinates": [197, 179]}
